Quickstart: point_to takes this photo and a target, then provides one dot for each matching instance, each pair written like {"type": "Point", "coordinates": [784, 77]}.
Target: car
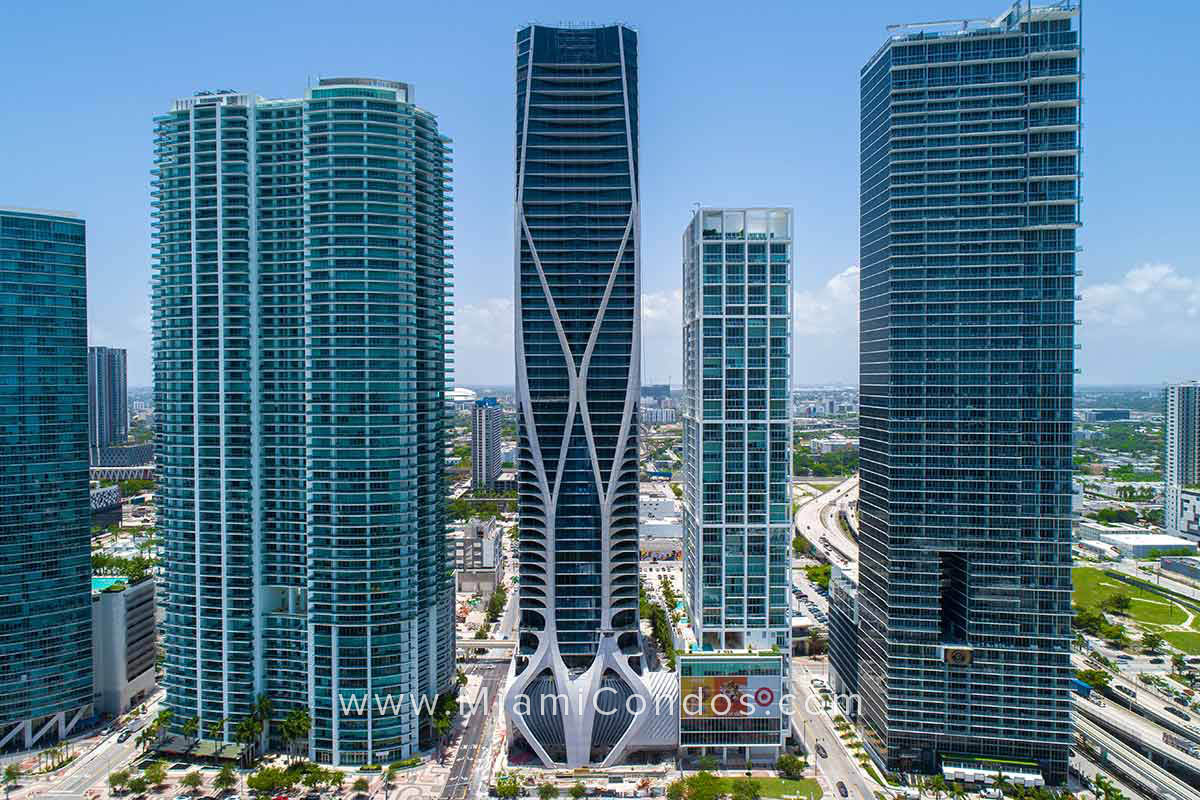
{"type": "Point", "coordinates": [125, 734]}
{"type": "Point", "coordinates": [1178, 713]}
{"type": "Point", "coordinates": [821, 752]}
{"type": "Point", "coordinates": [841, 787]}
{"type": "Point", "coordinates": [1157, 661]}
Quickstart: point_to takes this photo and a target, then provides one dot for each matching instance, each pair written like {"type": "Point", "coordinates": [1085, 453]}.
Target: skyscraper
{"type": "Point", "coordinates": [108, 399]}
{"type": "Point", "coordinates": [737, 461]}
{"type": "Point", "coordinates": [737, 429]}
{"type": "Point", "coordinates": [1181, 458]}
{"type": "Point", "coordinates": [485, 443]}
{"type": "Point", "coordinates": [578, 374]}
{"type": "Point", "coordinates": [969, 211]}
{"type": "Point", "coordinates": [45, 542]}
{"type": "Point", "coordinates": [302, 255]}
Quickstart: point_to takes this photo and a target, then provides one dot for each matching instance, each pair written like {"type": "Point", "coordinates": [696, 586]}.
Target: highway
{"type": "Point", "coordinates": [1135, 764]}
{"type": "Point", "coordinates": [817, 522]}
{"type": "Point", "coordinates": [1114, 718]}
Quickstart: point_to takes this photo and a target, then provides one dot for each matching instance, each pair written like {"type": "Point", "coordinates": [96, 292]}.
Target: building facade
{"type": "Point", "coordinates": [731, 706]}
{"type": "Point", "coordinates": [124, 643]}
{"type": "Point", "coordinates": [108, 399]}
{"type": "Point", "coordinates": [302, 257]}
{"type": "Point", "coordinates": [45, 543]}
{"type": "Point", "coordinates": [485, 443]}
{"type": "Point", "coordinates": [479, 556]}
{"type": "Point", "coordinates": [1181, 457]}
{"type": "Point", "coordinates": [969, 210]}
{"type": "Point", "coordinates": [737, 426]}
{"type": "Point", "coordinates": [577, 251]}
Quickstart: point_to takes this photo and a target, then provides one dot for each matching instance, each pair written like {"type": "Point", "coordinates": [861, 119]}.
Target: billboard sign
{"type": "Point", "coordinates": [726, 696]}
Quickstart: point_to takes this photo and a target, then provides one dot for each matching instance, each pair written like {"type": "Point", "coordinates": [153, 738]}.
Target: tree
{"type": "Point", "coordinates": [216, 730]}
{"type": "Point", "coordinates": [789, 766]}
{"type": "Point", "coordinates": [507, 786]}
{"type": "Point", "coordinates": [12, 776]}
{"type": "Point", "coordinates": [1178, 662]}
{"type": "Point", "coordinates": [192, 781]}
{"type": "Point", "coordinates": [1002, 783]}
{"type": "Point", "coordinates": [118, 780]}
{"type": "Point", "coordinates": [137, 784]}
{"type": "Point", "coordinates": [704, 786]}
{"type": "Point", "coordinates": [707, 762]}
{"type": "Point", "coordinates": [937, 785]}
{"type": "Point", "coordinates": [1118, 603]}
{"type": "Point", "coordinates": [246, 734]}
{"type": "Point", "coordinates": [155, 773]}
{"type": "Point", "coordinates": [547, 791]}
{"type": "Point", "coordinates": [335, 778]}
{"type": "Point", "coordinates": [360, 786]}
{"type": "Point", "coordinates": [578, 790]}
{"type": "Point", "coordinates": [313, 777]}
{"type": "Point", "coordinates": [191, 729]}
{"type": "Point", "coordinates": [745, 789]}
{"type": "Point", "coordinates": [262, 713]}
{"type": "Point", "coordinates": [226, 779]}
{"type": "Point", "coordinates": [677, 790]}
{"type": "Point", "coordinates": [295, 728]}
{"type": "Point", "coordinates": [460, 677]}
{"type": "Point", "coordinates": [1152, 642]}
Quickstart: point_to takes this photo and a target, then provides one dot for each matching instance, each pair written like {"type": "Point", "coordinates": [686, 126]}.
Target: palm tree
{"type": "Point", "coordinates": [226, 779]}
{"type": "Point", "coordinates": [360, 786]}
{"type": "Point", "coordinates": [191, 730]}
{"type": "Point", "coordinates": [262, 713]}
{"type": "Point", "coordinates": [216, 731]}
{"type": "Point", "coordinates": [12, 776]}
{"type": "Point", "coordinates": [957, 791]}
{"type": "Point", "coordinates": [937, 785]}
{"type": "Point", "coordinates": [246, 734]}
{"type": "Point", "coordinates": [1002, 783]}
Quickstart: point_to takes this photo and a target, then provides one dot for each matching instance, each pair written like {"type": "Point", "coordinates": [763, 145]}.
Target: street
{"type": "Point", "coordinates": [471, 746]}
{"type": "Point", "coordinates": [838, 764]}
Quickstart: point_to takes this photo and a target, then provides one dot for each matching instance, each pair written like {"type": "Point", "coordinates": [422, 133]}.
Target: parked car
{"type": "Point", "coordinates": [125, 734]}
{"type": "Point", "coordinates": [821, 752]}
{"type": "Point", "coordinates": [841, 787]}
{"type": "Point", "coordinates": [1157, 661]}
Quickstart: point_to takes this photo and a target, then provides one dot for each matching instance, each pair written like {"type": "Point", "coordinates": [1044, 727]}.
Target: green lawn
{"type": "Point", "coordinates": [779, 787]}
{"type": "Point", "coordinates": [1092, 586]}
{"type": "Point", "coordinates": [1186, 641]}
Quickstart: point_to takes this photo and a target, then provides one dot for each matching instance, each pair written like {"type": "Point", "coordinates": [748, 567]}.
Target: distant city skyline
{"type": "Point", "coordinates": [1141, 281]}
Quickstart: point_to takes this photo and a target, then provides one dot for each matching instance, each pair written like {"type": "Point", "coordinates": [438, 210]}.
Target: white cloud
{"type": "Point", "coordinates": [1152, 294]}
{"type": "Point", "coordinates": [830, 309]}
{"type": "Point", "coordinates": [483, 342]}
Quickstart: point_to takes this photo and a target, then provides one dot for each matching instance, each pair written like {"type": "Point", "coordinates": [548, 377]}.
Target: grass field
{"type": "Point", "coordinates": [779, 787]}
{"type": "Point", "coordinates": [1186, 641]}
{"type": "Point", "coordinates": [1092, 586]}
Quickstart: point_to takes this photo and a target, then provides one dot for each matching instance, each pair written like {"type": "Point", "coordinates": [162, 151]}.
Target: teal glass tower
{"type": "Point", "coordinates": [302, 274]}
{"type": "Point", "coordinates": [970, 209]}
{"type": "Point", "coordinates": [737, 426]}
{"type": "Point", "coordinates": [45, 540]}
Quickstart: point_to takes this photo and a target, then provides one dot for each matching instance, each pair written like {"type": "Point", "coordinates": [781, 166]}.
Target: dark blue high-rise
{"type": "Point", "coordinates": [577, 341]}
{"type": "Point", "coordinates": [969, 215]}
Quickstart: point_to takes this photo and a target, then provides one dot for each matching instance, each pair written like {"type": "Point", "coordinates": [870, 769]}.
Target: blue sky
{"type": "Point", "coordinates": [740, 104]}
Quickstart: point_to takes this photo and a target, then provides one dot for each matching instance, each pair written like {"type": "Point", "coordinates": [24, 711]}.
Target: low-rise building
{"type": "Point", "coordinates": [1148, 545]}
{"type": "Point", "coordinates": [731, 706]}
{"type": "Point", "coordinates": [1185, 522]}
{"type": "Point", "coordinates": [1098, 548]}
{"type": "Point", "coordinates": [478, 556]}
{"type": "Point", "coordinates": [124, 643]}
{"type": "Point", "coordinates": [843, 632]}
{"type": "Point", "coordinates": [833, 443]}
{"type": "Point", "coordinates": [106, 506]}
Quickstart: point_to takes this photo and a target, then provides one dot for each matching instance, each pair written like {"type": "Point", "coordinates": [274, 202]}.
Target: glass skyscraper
{"type": "Point", "coordinates": [45, 531]}
{"type": "Point", "coordinates": [108, 399]}
{"type": "Point", "coordinates": [302, 270]}
{"type": "Point", "coordinates": [737, 426]}
{"type": "Point", "coordinates": [578, 375]}
{"type": "Point", "coordinates": [969, 212]}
